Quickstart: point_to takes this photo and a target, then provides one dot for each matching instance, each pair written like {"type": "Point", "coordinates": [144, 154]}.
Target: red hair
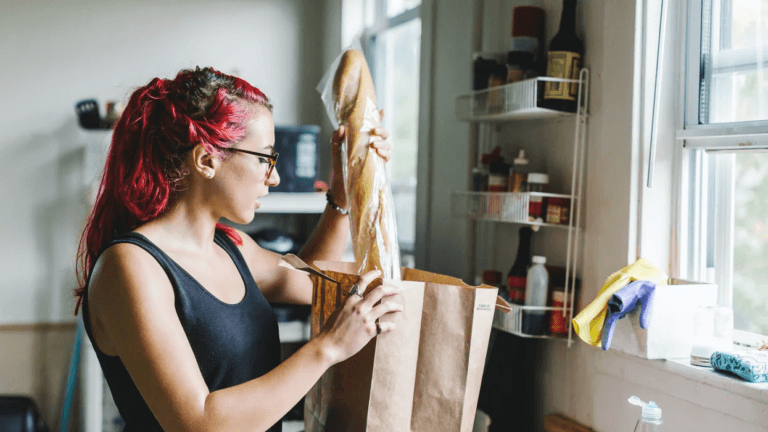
{"type": "Point", "coordinates": [144, 168]}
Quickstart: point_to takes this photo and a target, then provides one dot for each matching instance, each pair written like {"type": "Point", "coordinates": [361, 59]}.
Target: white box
{"type": "Point", "coordinates": [670, 333]}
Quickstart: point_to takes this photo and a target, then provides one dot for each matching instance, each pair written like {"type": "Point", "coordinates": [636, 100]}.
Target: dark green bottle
{"type": "Point", "coordinates": [564, 61]}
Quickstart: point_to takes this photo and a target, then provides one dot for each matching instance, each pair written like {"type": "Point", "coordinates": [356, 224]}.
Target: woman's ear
{"type": "Point", "coordinates": [204, 163]}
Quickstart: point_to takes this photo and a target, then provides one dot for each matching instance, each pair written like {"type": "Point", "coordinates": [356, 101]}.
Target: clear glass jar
{"type": "Point", "coordinates": [536, 183]}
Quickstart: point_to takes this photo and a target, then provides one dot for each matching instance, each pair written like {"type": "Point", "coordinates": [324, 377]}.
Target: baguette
{"type": "Point", "coordinates": [372, 223]}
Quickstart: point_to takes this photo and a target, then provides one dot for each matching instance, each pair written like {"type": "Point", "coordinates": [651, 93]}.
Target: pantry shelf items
{"type": "Point", "coordinates": [522, 101]}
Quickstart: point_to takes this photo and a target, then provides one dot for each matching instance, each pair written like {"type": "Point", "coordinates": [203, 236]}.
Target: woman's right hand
{"type": "Point", "coordinates": [353, 324]}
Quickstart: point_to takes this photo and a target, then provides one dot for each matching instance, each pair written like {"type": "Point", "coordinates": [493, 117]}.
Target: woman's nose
{"type": "Point", "coordinates": [273, 179]}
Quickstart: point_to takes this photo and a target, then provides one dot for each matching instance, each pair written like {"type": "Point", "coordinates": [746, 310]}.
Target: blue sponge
{"type": "Point", "coordinates": [751, 366]}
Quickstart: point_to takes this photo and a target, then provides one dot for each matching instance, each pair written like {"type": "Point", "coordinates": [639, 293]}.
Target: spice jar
{"type": "Point", "coordinates": [518, 175]}
{"type": "Point", "coordinates": [481, 71]}
{"type": "Point", "coordinates": [558, 211]}
{"type": "Point", "coordinates": [480, 179]}
{"type": "Point", "coordinates": [536, 183]}
{"type": "Point", "coordinates": [487, 160]}
{"type": "Point", "coordinates": [498, 176]}
{"type": "Point", "coordinates": [518, 63]}
{"type": "Point", "coordinates": [495, 96]}
{"type": "Point", "coordinates": [558, 324]}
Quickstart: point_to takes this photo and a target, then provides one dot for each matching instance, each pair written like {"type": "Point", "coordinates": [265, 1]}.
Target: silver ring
{"type": "Point", "coordinates": [354, 291]}
{"type": "Point", "coordinates": [378, 328]}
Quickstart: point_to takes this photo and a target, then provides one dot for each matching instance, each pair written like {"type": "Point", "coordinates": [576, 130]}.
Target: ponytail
{"type": "Point", "coordinates": [144, 166]}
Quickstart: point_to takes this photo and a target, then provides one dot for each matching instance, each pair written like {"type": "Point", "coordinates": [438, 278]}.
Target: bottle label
{"type": "Point", "coordinates": [562, 64]}
{"type": "Point", "coordinates": [497, 183]}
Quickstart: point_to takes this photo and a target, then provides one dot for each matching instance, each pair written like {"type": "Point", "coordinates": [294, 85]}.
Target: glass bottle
{"type": "Point", "coordinates": [519, 272]}
{"type": "Point", "coordinates": [518, 175]}
{"type": "Point", "coordinates": [564, 61]}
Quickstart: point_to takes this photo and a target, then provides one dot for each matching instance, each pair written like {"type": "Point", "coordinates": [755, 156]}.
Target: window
{"type": "Point", "coordinates": [733, 83]}
{"type": "Point", "coordinates": [725, 165]}
{"type": "Point", "coordinates": [393, 49]}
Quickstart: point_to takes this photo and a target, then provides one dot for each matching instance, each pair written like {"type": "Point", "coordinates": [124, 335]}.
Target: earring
{"type": "Point", "coordinates": [209, 175]}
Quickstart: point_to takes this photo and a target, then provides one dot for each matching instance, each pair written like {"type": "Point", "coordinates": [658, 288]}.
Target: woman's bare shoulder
{"type": "Point", "coordinates": [127, 272]}
{"type": "Point", "coordinates": [127, 262]}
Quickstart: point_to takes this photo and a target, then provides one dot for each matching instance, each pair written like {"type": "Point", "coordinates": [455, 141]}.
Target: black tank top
{"type": "Point", "coordinates": [233, 343]}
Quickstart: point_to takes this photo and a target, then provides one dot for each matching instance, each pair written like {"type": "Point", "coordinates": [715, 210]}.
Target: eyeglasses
{"type": "Point", "coordinates": [271, 158]}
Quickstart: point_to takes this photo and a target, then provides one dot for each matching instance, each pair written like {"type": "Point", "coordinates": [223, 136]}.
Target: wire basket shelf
{"type": "Point", "coordinates": [519, 100]}
{"type": "Point", "coordinates": [520, 321]}
{"type": "Point", "coordinates": [513, 207]}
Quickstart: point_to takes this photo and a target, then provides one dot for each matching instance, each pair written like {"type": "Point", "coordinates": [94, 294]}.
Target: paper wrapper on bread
{"type": "Point", "coordinates": [372, 217]}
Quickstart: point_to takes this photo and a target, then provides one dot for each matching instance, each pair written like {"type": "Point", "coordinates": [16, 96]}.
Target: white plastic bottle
{"type": "Point", "coordinates": [536, 288]}
{"type": "Point", "coordinates": [650, 419]}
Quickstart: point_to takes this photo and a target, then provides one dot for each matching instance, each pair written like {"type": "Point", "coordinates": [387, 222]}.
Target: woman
{"type": "Point", "coordinates": [175, 303]}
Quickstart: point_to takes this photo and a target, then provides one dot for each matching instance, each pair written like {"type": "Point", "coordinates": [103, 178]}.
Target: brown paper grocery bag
{"type": "Point", "coordinates": [455, 331]}
{"type": "Point", "coordinates": [425, 376]}
{"type": "Point", "coordinates": [372, 390]}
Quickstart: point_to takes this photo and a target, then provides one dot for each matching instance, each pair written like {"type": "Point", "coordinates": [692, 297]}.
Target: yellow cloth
{"type": "Point", "coordinates": [588, 324]}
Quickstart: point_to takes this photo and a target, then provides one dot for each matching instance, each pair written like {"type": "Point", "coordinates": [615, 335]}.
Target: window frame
{"type": "Point", "coordinates": [718, 136]}
{"type": "Point", "coordinates": [694, 207]}
{"type": "Point", "coordinates": [382, 23]}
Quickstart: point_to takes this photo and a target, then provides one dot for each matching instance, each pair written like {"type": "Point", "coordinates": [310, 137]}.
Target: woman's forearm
{"type": "Point", "coordinates": [329, 239]}
{"type": "Point", "coordinates": [258, 404]}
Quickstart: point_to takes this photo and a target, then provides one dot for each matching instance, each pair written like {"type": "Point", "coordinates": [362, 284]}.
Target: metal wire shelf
{"type": "Point", "coordinates": [519, 100]}
{"type": "Point", "coordinates": [512, 207]}
{"type": "Point", "coordinates": [515, 321]}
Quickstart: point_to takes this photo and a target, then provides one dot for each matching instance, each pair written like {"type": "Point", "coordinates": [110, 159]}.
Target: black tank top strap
{"type": "Point", "coordinates": [226, 243]}
{"type": "Point", "coordinates": [169, 266]}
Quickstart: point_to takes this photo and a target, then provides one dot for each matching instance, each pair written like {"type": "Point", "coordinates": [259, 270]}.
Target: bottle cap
{"type": "Point", "coordinates": [538, 178]}
{"type": "Point", "coordinates": [651, 411]}
{"type": "Point", "coordinates": [520, 159]}
{"type": "Point", "coordinates": [527, 21]}
{"type": "Point", "coordinates": [539, 259]}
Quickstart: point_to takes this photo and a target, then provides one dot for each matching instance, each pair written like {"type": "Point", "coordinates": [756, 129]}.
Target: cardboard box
{"type": "Point", "coordinates": [670, 333]}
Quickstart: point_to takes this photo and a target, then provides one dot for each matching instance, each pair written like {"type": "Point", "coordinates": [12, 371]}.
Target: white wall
{"type": "Point", "coordinates": [585, 383]}
{"type": "Point", "coordinates": [56, 53]}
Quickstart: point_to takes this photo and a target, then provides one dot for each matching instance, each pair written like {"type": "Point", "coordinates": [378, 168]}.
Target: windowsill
{"type": "Point", "coordinates": [698, 385]}
{"type": "Point", "coordinates": [721, 380]}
